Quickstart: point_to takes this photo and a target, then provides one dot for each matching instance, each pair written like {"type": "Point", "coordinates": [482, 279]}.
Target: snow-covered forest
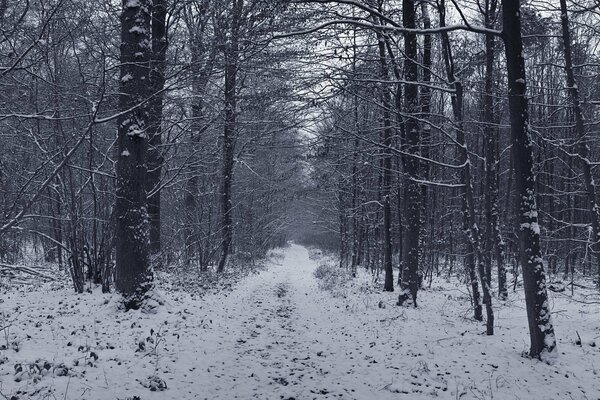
{"type": "Point", "coordinates": [299, 199]}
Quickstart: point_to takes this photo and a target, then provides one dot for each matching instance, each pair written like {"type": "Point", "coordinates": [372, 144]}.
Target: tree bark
{"type": "Point", "coordinates": [133, 275]}
{"type": "Point", "coordinates": [229, 133]}
{"type": "Point", "coordinates": [412, 189]}
{"type": "Point", "coordinates": [541, 330]}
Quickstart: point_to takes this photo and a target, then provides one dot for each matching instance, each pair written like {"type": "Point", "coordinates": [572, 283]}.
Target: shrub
{"type": "Point", "coordinates": [332, 278]}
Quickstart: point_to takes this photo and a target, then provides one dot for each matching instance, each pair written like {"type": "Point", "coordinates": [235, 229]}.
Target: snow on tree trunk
{"type": "Point", "coordinates": [541, 330]}
{"type": "Point", "coordinates": [133, 275]}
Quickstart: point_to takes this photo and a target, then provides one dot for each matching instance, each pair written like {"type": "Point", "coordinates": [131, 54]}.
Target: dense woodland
{"type": "Point", "coordinates": [413, 138]}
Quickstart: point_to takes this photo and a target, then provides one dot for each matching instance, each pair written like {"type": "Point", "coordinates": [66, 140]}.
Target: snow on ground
{"type": "Point", "coordinates": [277, 335]}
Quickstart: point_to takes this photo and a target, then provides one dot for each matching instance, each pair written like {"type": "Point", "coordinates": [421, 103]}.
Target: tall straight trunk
{"type": "Point", "coordinates": [412, 189]}
{"type": "Point", "coordinates": [386, 186]}
{"type": "Point", "coordinates": [425, 96]}
{"type": "Point", "coordinates": [342, 223]}
{"type": "Point", "coordinates": [201, 73]}
{"type": "Point", "coordinates": [541, 330]}
{"type": "Point", "coordinates": [493, 234]}
{"type": "Point", "coordinates": [155, 158]}
{"type": "Point", "coordinates": [474, 255]}
{"type": "Point", "coordinates": [355, 224]}
{"type": "Point", "coordinates": [583, 148]}
{"type": "Point", "coordinates": [399, 211]}
{"type": "Point", "coordinates": [133, 274]}
{"type": "Point", "coordinates": [229, 133]}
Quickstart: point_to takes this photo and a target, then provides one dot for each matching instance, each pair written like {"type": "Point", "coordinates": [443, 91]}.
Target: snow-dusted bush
{"type": "Point", "coordinates": [331, 277]}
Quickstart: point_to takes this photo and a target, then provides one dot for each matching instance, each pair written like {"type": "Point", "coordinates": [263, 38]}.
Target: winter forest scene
{"type": "Point", "coordinates": [299, 199]}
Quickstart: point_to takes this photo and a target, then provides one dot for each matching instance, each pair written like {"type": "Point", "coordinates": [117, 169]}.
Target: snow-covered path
{"type": "Point", "coordinates": [277, 335]}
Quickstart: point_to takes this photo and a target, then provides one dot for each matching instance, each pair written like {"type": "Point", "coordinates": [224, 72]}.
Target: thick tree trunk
{"type": "Point", "coordinates": [412, 189]}
{"type": "Point", "coordinates": [582, 148]}
{"type": "Point", "coordinates": [155, 159]}
{"type": "Point", "coordinates": [541, 330]}
{"type": "Point", "coordinates": [133, 275]}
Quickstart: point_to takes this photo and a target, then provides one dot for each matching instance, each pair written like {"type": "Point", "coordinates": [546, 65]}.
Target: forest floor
{"type": "Point", "coordinates": [278, 334]}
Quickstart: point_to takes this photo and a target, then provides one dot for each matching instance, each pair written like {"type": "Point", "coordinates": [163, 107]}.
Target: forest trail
{"type": "Point", "coordinates": [278, 335]}
{"type": "Point", "coordinates": [283, 337]}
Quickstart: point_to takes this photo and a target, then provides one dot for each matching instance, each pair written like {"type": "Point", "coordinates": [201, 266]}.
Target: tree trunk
{"type": "Point", "coordinates": [541, 330]}
{"type": "Point", "coordinates": [386, 186]}
{"type": "Point", "coordinates": [412, 189]}
{"type": "Point", "coordinates": [134, 274]}
{"type": "Point", "coordinates": [155, 105]}
{"type": "Point", "coordinates": [229, 133]}
{"type": "Point", "coordinates": [582, 148]}
{"type": "Point", "coordinates": [474, 255]}
{"type": "Point", "coordinates": [493, 234]}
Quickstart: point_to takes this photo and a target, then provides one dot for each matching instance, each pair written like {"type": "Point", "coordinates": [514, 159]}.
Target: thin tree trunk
{"type": "Point", "coordinates": [386, 187]}
{"type": "Point", "coordinates": [229, 133]}
{"type": "Point", "coordinates": [155, 158]}
{"type": "Point", "coordinates": [583, 148]}
{"type": "Point", "coordinates": [493, 234]}
{"type": "Point", "coordinates": [474, 255]}
{"type": "Point", "coordinates": [427, 234]}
